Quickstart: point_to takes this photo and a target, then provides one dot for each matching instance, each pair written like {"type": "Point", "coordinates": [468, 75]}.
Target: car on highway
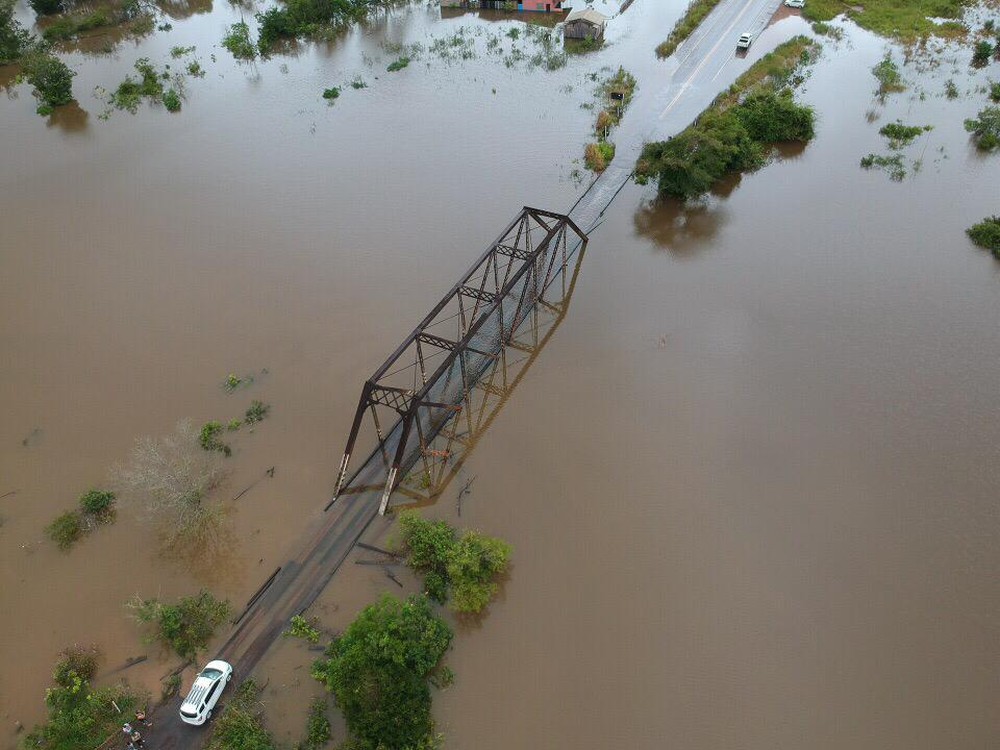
{"type": "Point", "coordinates": [208, 686]}
{"type": "Point", "coordinates": [744, 41]}
{"type": "Point", "coordinates": [795, 3]}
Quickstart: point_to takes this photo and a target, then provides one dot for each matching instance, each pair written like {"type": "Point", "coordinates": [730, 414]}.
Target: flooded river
{"type": "Point", "coordinates": [751, 482]}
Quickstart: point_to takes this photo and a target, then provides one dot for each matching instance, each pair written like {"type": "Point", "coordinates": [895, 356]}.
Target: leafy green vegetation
{"type": "Point", "coordinates": [331, 93]}
{"type": "Point", "coordinates": [986, 234]}
{"type": "Point", "coordinates": [466, 567]}
{"type": "Point", "coordinates": [693, 16]}
{"type": "Point", "coordinates": [398, 64]}
{"type": "Point", "coordinates": [901, 135]}
{"type": "Point", "coordinates": [379, 672]}
{"type": "Point", "coordinates": [130, 92]}
{"type": "Point", "coordinates": [736, 132]}
{"type": "Point", "coordinates": [80, 717]}
{"type": "Point", "coordinates": [97, 507]}
{"type": "Point", "coordinates": [890, 80]}
{"type": "Point", "coordinates": [186, 627]}
{"type": "Point", "coordinates": [985, 128]}
{"type": "Point", "coordinates": [317, 726]}
{"type": "Point", "coordinates": [237, 40]}
{"type": "Point", "coordinates": [358, 83]}
{"type": "Point", "coordinates": [241, 725]}
{"type": "Point", "coordinates": [177, 51]}
{"type": "Point", "coordinates": [172, 100]}
{"type": "Point", "coordinates": [15, 40]}
{"type": "Point", "coordinates": [995, 92]}
{"type": "Point", "coordinates": [982, 53]}
{"type": "Point", "coordinates": [135, 16]}
{"type": "Point", "coordinates": [905, 20]}
{"type": "Point", "coordinates": [209, 438]}
{"type": "Point", "coordinates": [309, 18]}
{"type": "Point", "coordinates": [597, 155]}
{"type": "Point", "coordinates": [66, 529]}
{"type": "Point", "coordinates": [950, 89]}
{"type": "Point", "coordinates": [890, 164]}
{"type": "Point", "coordinates": [51, 77]}
{"type": "Point", "coordinates": [300, 627]}
{"type": "Point", "coordinates": [46, 7]}
{"type": "Point", "coordinates": [256, 412]}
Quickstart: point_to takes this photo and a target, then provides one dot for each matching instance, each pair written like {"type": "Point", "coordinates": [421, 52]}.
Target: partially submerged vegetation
{"type": "Point", "coordinates": [985, 128]}
{"type": "Point", "coordinates": [314, 19]}
{"type": "Point", "coordinates": [615, 94]}
{"type": "Point", "coordinates": [693, 16]}
{"type": "Point", "coordinates": [15, 40]}
{"type": "Point", "coordinates": [889, 78]}
{"type": "Point", "coordinates": [237, 40]}
{"type": "Point", "coordinates": [906, 21]}
{"type": "Point", "coordinates": [462, 570]}
{"type": "Point", "coordinates": [986, 234]}
{"type": "Point", "coordinates": [381, 669]}
{"type": "Point", "coordinates": [96, 508]}
{"type": "Point", "coordinates": [241, 725]}
{"type": "Point", "coordinates": [901, 135]}
{"type": "Point", "coordinates": [81, 717]}
{"type": "Point", "coordinates": [736, 133]}
{"type": "Point", "coordinates": [184, 627]}
{"type": "Point", "coordinates": [51, 78]}
{"type": "Point", "coordinates": [150, 86]}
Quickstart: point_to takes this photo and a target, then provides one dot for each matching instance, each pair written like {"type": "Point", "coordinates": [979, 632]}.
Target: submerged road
{"type": "Point", "coordinates": [700, 70]}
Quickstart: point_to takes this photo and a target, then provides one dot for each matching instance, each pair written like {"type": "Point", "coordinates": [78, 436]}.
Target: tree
{"type": "Point", "coordinates": [15, 40]}
{"type": "Point", "coordinates": [985, 128]}
{"type": "Point", "coordinates": [986, 234]}
{"type": "Point", "coordinates": [170, 480]}
{"type": "Point", "coordinates": [241, 726]}
{"type": "Point", "coordinates": [379, 671]}
{"type": "Point", "coordinates": [771, 117]}
{"type": "Point", "coordinates": [52, 79]}
{"type": "Point", "coordinates": [186, 626]}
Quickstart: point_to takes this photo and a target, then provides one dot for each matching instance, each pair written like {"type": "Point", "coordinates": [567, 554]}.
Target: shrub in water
{"type": "Point", "coordinates": [986, 234]}
{"type": "Point", "coordinates": [172, 100]}
{"type": "Point", "coordinates": [66, 529]}
{"type": "Point", "coordinates": [985, 128]}
{"type": "Point", "coordinates": [52, 79]}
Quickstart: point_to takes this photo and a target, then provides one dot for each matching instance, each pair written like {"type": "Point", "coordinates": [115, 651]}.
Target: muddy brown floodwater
{"type": "Point", "coordinates": [751, 482]}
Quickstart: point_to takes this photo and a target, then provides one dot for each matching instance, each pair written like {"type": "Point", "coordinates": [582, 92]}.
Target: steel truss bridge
{"type": "Point", "coordinates": [424, 406]}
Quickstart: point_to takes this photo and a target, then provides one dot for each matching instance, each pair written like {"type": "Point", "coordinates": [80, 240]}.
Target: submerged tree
{"type": "Point", "coordinates": [15, 40]}
{"type": "Point", "coordinates": [170, 479]}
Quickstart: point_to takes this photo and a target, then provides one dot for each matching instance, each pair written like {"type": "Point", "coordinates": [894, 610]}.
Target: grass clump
{"type": "Point", "coordinates": [256, 412]}
{"type": "Point", "coordinates": [890, 80]}
{"type": "Point", "coordinates": [185, 627]}
{"type": "Point", "coordinates": [737, 131]}
{"type": "Point", "coordinates": [177, 51]}
{"type": "Point", "coordinates": [331, 93]}
{"type": "Point", "coordinates": [358, 83]}
{"type": "Point", "coordinates": [300, 627]}
{"type": "Point", "coordinates": [464, 569]}
{"type": "Point", "coordinates": [379, 671]}
{"type": "Point", "coordinates": [317, 726]}
{"type": "Point", "coordinates": [985, 128]}
{"type": "Point", "coordinates": [986, 234]}
{"type": "Point", "coordinates": [994, 92]}
{"type": "Point", "coordinates": [693, 16]}
{"type": "Point", "coordinates": [905, 21]}
{"type": "Point", "coordinates": [209, 438]}
{"type": "Point", "coordinates": [901, 135]}
{"type": "Point", "coordinates": [950, 89]}
{"type": "Point", "coordinates": [80, 717]}
{"type": "Point", "coordinates": [981, 53]}
{"type": "Point", "coordinates": [241, 725]}
{"type": "Point", "coordinates": [398, 64]}
{"type": "Point", "coordinates": [597, 156]}
{"type": "Point", "coordinates": [237, 40]}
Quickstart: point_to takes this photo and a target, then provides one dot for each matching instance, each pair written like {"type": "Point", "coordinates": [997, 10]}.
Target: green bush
{"type": "Point", "coordinates": [131, 92]}
{"type": "Point", "coordinates": [15, 40]}
{"type": "Point", "coordinates": [301, 18]}
{"type": "Point", "coordinates": [172, 100]}
{"type": "Point", "coordinates": [52, 79]}
{"type": "Point", "coordinates": [995, 92]}
{"type": "Point", "coordinates": [237, 40]}
{"type": "Point", "coordinates": [900, 135]}
{"type": "Point", "coordinates": [981, 53]}
{"type": "Point", "coordinates": [81, 718]}
{"type": "Point", "coordinates": [986, 234]}
{"type": "Point", "coordinates": [317, 726]}
{"type": "Point", "coordinates": [300, 627]}
{"type": "Point", "coordinates": [98, 503]}
{"type": "Point", "coordinates": [187, 626]}
{"type": "Point", "coordinates": [467, 567]}
{"type": "Point", "coordinates": [209, 438]}
{"type": "Point", "coordinates": [331, 93]}
{"type": "Point", "coordinates": [379, 670]}
{"type": "Point", "coordinates": [46, 7]}
{"type": "Point", "coordinates": [241, 725]}
{"type": "Point", "coordinates": [889, 78]}
{"type": "Point", "coordinates": [985, 128]}
{"type": "Point", "coordinates": [66, 529]}
{"type": "Point", "coordinates": [256, 412]}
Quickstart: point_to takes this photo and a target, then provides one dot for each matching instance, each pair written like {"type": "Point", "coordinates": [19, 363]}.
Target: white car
{"type": "Point", "coordinates": [795, 3]}
{"type": "Point", "coordinates": [208, 686]}
{"type": "Point", "coordinates": [744, 41]}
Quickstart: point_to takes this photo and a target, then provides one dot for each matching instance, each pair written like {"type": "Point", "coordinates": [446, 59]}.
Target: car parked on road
{"type": "Point", "coordinates": [795, 3]}
{"type": "Point", "coordinates": [208, 686]}
{"type": "Point", "coordinates": [744, 41]}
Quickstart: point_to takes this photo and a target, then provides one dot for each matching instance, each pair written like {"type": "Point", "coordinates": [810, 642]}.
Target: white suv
{"type": "Point", "coordinates": [208, 686]}
{"type": "Point", "coordinates": [795, 3]}
{"type": "Point", "coordinates": [744, 41]}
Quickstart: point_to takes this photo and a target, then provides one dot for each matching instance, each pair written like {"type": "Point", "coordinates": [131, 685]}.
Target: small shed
{"type": "Point", "coordinates": [584, 24]}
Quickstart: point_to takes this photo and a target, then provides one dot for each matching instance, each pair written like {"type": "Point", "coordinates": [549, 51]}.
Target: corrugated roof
{"type": "Point", "coordinates": [587, 14]}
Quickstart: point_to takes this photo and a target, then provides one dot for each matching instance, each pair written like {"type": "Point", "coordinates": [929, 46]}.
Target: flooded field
{"type": "Point", "coordinates": [750, 483]}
